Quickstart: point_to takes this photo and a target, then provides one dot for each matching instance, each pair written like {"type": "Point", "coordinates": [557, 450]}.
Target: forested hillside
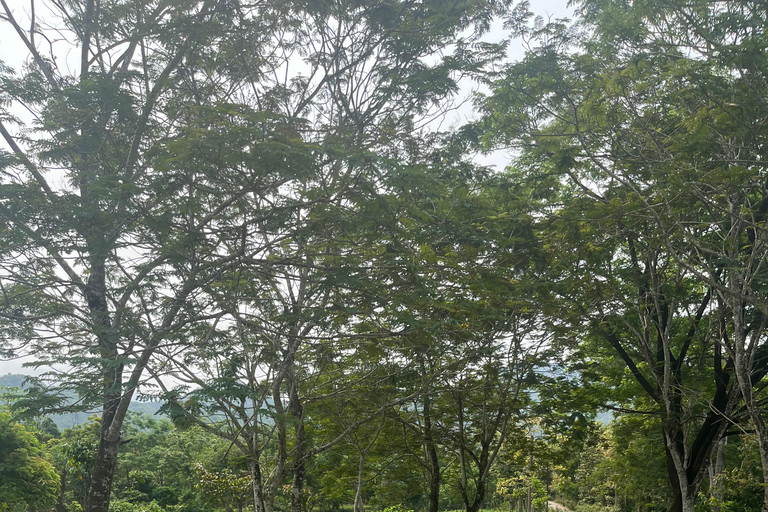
{"type": "Point", "coordinates": [70, 419]}
{"type": "Point", "coordinates": [270, 217]}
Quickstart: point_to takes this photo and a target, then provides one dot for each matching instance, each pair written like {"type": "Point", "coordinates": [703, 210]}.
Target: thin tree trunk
{"type": "Point", "coordinates": [688, 466]}
{"type": "Point", "coordinates": [688, 462]}
{"type": "Point", "coordinates": [462, 454]}
{"type": "Point", "coordinates": [431, 452]}
{"type": "Point", "coordinates": [529, 501]}
{"type": "Point", "coordinates": [529, 498]}
{"type": "Point", "coordinates": [743, 363]}
{"type": "Point", "coordinates": [300, 449]}
{"type": "Point", "coordinates": [716, 469]}
{"type": "Point", "coordinates": [358, 506]}
{"type": "Point", "coordinates": [282, 446]}
{"type": "Point", "coordinates": [762, 443]}
{"type": "Point", "coordinates": [256, 483]}
{"type": "Point", "coordinates": [299, 471]}
{"type": "Point", "coordinates": [61, 505]}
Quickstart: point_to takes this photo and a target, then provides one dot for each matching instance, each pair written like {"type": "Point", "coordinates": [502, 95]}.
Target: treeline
{"type": "Point", "coordinates": [590, 467]}
{"type": "Point", "coordinates": [255, 212]}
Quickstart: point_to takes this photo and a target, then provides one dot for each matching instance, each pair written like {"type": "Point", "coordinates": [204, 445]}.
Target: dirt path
{"type": "Point", "coordinates": [556, 507]}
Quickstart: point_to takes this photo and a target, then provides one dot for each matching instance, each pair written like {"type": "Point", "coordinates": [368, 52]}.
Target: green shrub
{"type": "Point", "coordinates": [396, 508]}
{"type": "Point", "coordinates": [125, 506]}
{"type": "Point", "coordinates": [742, 492]}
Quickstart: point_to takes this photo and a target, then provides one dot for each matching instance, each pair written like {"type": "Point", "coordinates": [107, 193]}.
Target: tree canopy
{"type": "Point", "coordinates": [261, 215]}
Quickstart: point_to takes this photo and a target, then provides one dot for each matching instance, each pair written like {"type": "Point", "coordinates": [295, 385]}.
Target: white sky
{"type": "Point", "coordinates": [14, 54]}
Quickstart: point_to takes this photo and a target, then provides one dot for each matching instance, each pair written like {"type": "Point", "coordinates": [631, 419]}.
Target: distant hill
{"type": "Point", "coordinates": [69, 420]}
{"type": "Point", "coordinates": [12, 380]}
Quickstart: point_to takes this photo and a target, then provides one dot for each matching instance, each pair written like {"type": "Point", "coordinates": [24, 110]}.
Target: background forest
{"type": "Point", "coordinates": [270, 217]}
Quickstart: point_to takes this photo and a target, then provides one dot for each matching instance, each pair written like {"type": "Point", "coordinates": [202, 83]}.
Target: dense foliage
{"type": "Point", "coordinates": [252, 214]}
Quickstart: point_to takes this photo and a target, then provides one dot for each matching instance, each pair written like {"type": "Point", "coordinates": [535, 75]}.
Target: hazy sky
{"type": "Point", "coordinates": [13, 53]}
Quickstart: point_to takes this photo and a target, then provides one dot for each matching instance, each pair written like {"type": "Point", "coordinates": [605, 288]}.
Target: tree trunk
{"type": "Point", "coordinates": [744, 358]}
{"type": "Point", "coordinates": [282, 446]}
{"type": "Point", "coordinates": [358, 506]}
{"type": "Point", "coordinates": [61, 505]}
{"type": "Point", "coordinates": [256, 484]}
{"type": "Point", "coordinates": [716, 469]}
{"type": "Point", "coordinates": [299, 470]}
{"type": "Point", "coordinates": [479, 496]}
{"type": "Point", "coordinates": [687, 467]}
{"type": "Point", "coordinates": [431, 452]}
{"type": "Point", "coordinates": [462, 454]}
{"type": "Point", "coordinates": [681, 502]}
{"type": "Point", "coordinates": [528, 499]}
{"type": "Point", "coordinates": [762, 443]}
{"type": "Point", "coordinates": [688, 462]}
{"type": "Point", "coordinates": [300, 449]}
{"type": "Point", "coordinates": [100, 487]}
{"type": "Point", "coordinates": [103, 470]}
{"type": "Point", "coordinates": [683, 492]}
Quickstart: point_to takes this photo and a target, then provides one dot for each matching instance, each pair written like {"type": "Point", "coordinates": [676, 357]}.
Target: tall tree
{"type": "Point", "coordinates": [457, 263]}
{"type": "Point", "coordinates": [354, 82]}
{"type": "Point", "coordinates": [123, 197]}
{"type": "Point", "coordinates": [639, 109]}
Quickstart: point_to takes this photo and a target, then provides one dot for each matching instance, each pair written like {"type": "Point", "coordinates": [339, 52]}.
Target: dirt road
{"type": "Point", "coordinates": [556, 507]}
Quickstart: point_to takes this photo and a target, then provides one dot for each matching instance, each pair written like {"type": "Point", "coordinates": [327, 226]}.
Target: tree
{"type": "Point", "coordinates": [638, 115]}
{"type": "Point", "coordinates": [159, 462]}
{"type": "Point", "coordinates": [355, 391]}
{"type": "Point", "coordinates": [106, 256]}
{"type": "Point", "coordinates": [26, 477]}
{"type": "Point", "coordinates": [360, 92]}
{"type": "Point", "coordinates": [75, 455]}
{"type": "Point", "coordinates": [460, 278]}
{"type": "Point", "coordinates": [486, 407]}
{"type": "Point", "coordinates": [174, 153]}
{"type": "Point", "coordinates": [636, 462]}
